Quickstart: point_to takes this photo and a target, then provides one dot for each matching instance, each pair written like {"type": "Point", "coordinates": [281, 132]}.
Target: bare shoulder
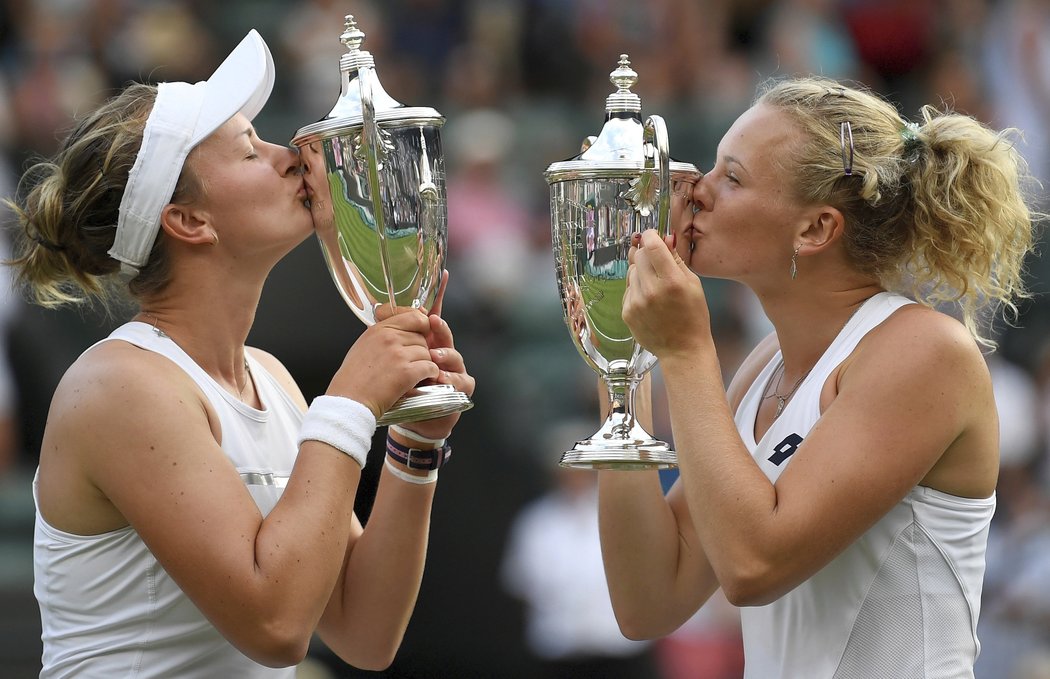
{"type": "Point", "coordinates": [112, 403]}
{"type": "Point", "coordinates": [280, 373]}
{"type": "Point", "coordinates": [115, 382]}
{"type": "Point", "coordinates": [923, 371]}
{"type": "Point", "coordinates": [918, 338]}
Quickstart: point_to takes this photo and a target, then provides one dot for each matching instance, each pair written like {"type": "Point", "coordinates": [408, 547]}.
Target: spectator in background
{"type": "Point", "coordinates": [544, 82]}
{"type": "Point", "coordinates": [1015, 618]}
{"type": "Point", "coordinates": [1017, 58]}
{"type": "Point", "coordinates": [552, 563]}
{"type": "Point", "coordinates": [10, 436]}
{"type": "Point", "coordinates": [491, 226]}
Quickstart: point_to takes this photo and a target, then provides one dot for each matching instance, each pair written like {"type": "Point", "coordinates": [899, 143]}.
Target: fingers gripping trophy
{"type": "Point", "coordinates": [375, 174]}
{"type": "Point", "coordinates": [621, 183]}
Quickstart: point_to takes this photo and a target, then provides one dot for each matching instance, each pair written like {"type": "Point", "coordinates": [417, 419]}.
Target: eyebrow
{"type": "Point", "coordinates": [248, 131]}
{"type": "Point", "coordinates": [734, 160]}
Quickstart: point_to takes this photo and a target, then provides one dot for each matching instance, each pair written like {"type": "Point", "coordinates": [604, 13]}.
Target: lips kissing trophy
{"type": "Point", "coordinates": [621, 183]}
{"type": "Point", "coordinates": [376, 179]}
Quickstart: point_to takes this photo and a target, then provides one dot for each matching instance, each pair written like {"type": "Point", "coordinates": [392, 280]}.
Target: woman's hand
{"type": "Point", "coordinates": [388, 359]}
{"type": "Point", "coordinates": [664, 304]}
{"type": "Point", "coordinates": [451, 364]}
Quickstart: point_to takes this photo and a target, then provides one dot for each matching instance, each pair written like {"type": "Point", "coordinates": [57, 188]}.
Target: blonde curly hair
{"type": "Point", "coordinates": [935, 210]}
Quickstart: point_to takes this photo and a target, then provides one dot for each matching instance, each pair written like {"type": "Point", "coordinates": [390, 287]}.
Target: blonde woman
{"type": "Point", "coordinates": [841, 490]}
{"type": "Point", "coordinates": [194, 518]}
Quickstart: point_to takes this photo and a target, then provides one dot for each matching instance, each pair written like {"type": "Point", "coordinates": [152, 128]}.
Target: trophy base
{"type": "Point", "coordinates": [623, 454]}
{"type": "Point", "coordinates": [431, 401]}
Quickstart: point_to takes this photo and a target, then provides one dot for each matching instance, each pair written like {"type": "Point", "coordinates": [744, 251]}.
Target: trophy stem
{"type": "Point", "coordinates": [621, 443]}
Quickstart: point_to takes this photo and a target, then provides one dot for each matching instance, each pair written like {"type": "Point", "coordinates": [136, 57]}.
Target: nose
{"type": "Point", "coordinates": [700, 194]}
{"type": "Point", "coordinates": [309, 155]}
{"type": "Point", "coordinates": [290, 161]}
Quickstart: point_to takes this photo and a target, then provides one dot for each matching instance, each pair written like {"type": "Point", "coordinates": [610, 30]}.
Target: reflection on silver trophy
{"type": "Point", "coordinates": [376, 178]}
{"type": "Point", "coordinates": [624, 181]}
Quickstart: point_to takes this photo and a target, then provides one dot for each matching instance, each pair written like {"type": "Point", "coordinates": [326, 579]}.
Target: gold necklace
{"type": "Point", "coordinates": [161, 333]}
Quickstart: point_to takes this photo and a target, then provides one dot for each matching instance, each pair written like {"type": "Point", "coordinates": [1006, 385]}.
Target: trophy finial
{"type": "Point", "coordinates": [352, 37]}
{"type": "Point", "coordinates": [624, 77]}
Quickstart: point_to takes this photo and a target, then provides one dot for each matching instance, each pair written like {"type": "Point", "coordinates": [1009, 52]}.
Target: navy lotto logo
{"type": "Point", "coordinates": [785, 448]}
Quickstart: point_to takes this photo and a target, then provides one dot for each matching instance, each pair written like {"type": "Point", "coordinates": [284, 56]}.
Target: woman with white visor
{"type": "Point", "coordinates": [194, 518]}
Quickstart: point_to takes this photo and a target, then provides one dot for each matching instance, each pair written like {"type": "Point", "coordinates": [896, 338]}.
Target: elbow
{"type": "Point", "coordinates": [373, 653]}
{"type": "Point", "coordinates": [754, 585]}
{"type": "Point", "coordinates": [644, 624]}
{"type": "Point", "coordinates": [742, 594]}
{"type": "Point", "coordinates": [276, 645]}
{"type": "Point", "coordinates": [637, 630]}
{"type": "Point", "coordinates": [277, 655]}
{"type": "Point", "coordinates": [376, 663]}
{"type": "Point", "coordinates": [374, 659]}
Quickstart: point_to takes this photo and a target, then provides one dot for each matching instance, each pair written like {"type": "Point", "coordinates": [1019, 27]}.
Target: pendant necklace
{"type": "Point", "coordinates": [782, 399]}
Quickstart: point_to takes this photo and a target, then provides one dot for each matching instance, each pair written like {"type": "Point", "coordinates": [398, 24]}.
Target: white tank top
{"type": "Point", "coordinates": [902, 601]}
{"type": "Point", "coordinates": [107, 607]}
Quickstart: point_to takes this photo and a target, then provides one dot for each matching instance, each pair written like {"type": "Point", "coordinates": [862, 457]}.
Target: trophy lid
{"type": "Point", "coordinates": [623, 99]}
{"type": "Point", "coordinates": [346, 116]}
{"type": "Point", "coordinates": [619, 149]}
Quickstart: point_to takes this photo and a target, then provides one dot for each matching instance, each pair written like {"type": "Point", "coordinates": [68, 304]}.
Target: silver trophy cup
{"type": "Point", "coordinates": [376, 178]}
{"type": "Point", "coordinates": [623, 182]}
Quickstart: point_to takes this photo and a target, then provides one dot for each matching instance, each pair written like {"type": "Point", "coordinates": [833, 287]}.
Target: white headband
{"type": "Point", "coordinates": [182, 117]}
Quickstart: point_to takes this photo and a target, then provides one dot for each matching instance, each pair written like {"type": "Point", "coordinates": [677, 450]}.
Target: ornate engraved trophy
{"type": "Point", "coordinates": [375, 174]}
{"type": "Point", "coordinates": [621, 183]}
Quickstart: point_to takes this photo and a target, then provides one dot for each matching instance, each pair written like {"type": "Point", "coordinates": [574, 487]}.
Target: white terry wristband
{"type": "Point", "coordinates": [342, 423]}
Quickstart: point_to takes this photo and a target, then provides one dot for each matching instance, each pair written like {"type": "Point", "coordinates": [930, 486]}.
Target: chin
{"type": "Point", "coordinates": [687, 251]}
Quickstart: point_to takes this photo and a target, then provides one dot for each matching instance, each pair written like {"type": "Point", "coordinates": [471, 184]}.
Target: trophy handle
{"type": "Point", "coordinates": [658, 161]}
{"type": "Point", "coordinates": [372, 143]}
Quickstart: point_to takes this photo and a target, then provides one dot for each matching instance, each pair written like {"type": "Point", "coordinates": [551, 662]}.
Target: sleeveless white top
{"type": "Point", "coordinates": [107, 607]}
{"type": "Point", "coordinates": [902, 601]}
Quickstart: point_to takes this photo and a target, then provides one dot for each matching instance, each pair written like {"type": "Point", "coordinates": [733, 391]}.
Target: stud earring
{"type": "Point", "coordinates": [215, 238]}
{"type": "Point", "coordinates": [794, 263]}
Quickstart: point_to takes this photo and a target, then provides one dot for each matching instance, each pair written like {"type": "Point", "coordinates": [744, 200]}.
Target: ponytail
{"type": "Point", "coordinates": [936, 210]}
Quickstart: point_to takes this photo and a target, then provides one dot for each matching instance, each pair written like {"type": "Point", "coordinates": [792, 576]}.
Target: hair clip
{"type": "Point", "coordinates": [846, 130]}
{"type": "Point", "coordinates": [910, 134]}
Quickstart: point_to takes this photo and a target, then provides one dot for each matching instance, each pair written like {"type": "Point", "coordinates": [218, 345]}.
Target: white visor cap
{"type": "Point", "coordinates": [182, 117]}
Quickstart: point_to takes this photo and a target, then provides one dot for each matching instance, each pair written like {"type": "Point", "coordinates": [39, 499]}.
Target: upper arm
{"type": "Point", "coordinates": [142, 440]}
{"type": "Point", "coordinates": [149, 443]}
{"type": "Point", "coordinates": [699, 581]}
{"type": "Point", "coordinates": [915, 389]}
{"type": "Point", "coordinates": [145, 438]}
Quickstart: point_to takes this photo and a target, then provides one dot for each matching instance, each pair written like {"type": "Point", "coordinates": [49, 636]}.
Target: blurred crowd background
{"type": "Point", "coordinates": [514, 587]}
